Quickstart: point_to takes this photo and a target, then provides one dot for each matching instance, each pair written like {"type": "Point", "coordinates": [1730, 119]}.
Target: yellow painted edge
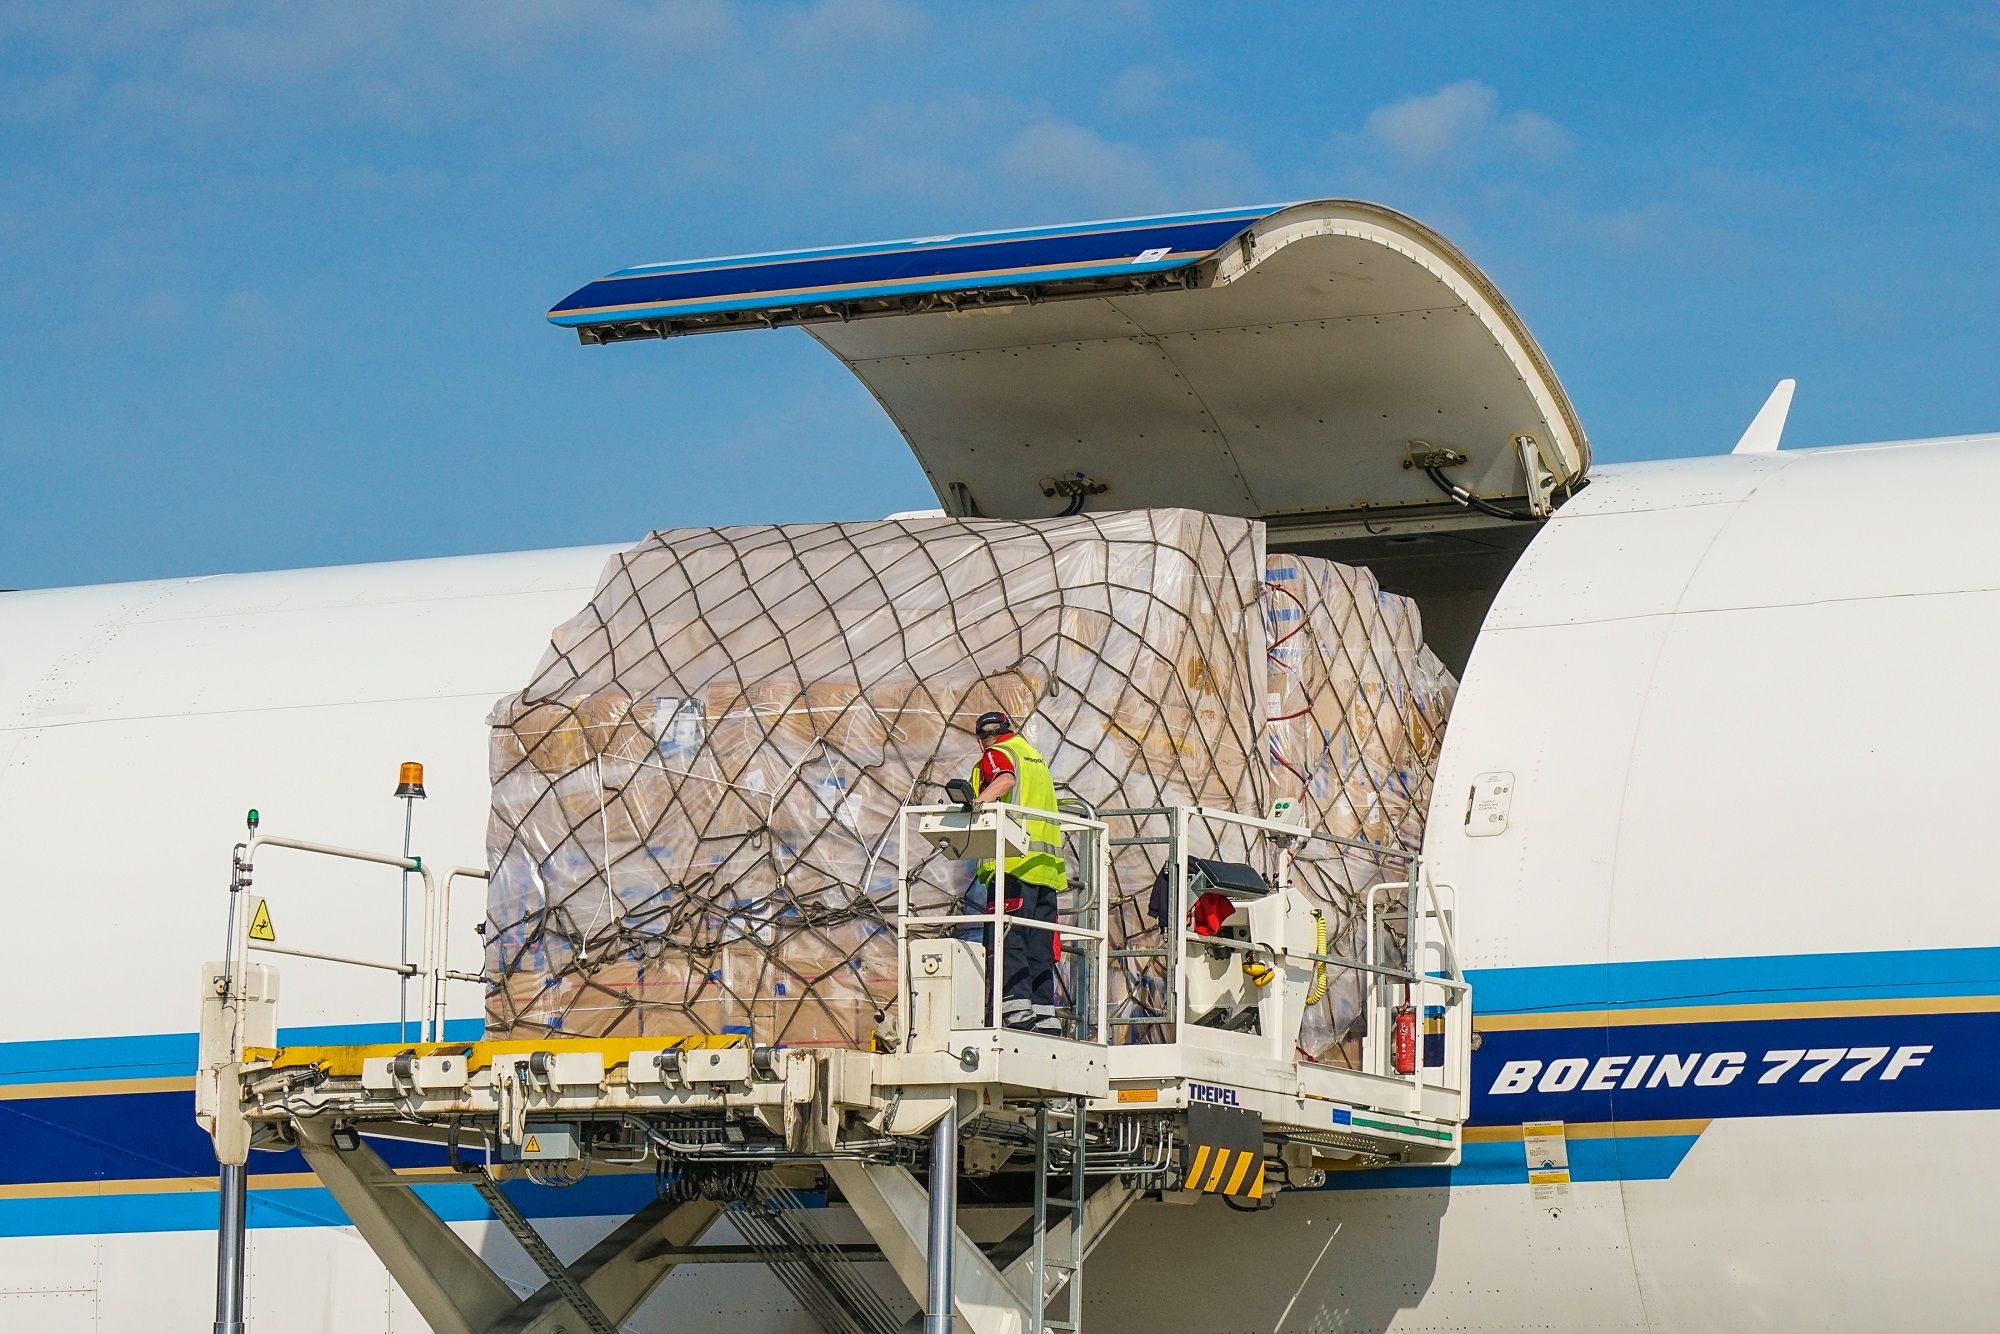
{"type": "Point", "coordinates": [85, 1088]}
{"type": "Point", "coordinates": [1690, 1014]}
{"type": "Point", "coordinates": [1592, 1130]}
{"type": "Point", "coordinates": [346, 1061]}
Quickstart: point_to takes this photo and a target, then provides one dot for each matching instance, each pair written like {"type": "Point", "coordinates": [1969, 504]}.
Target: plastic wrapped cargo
{"type": "Point", "coordinates": [694, 799]}
{"type": "Point", "coordinates": [1356, 709]}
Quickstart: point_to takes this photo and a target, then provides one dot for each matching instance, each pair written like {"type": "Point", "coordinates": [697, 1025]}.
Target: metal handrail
{"type": "Point", "coordinates": [984, 919]}
{"type": "Point", "coordinates": [436, 918]}
{"type": "Point", "coordinates": [1335, 961]}
{"type": "Point", "coordinates": [1304, 834]}
{"type": "Point", "coordinates": [442, 958]}
{"type": "Point", "coordinates": [1417, 916]}
{"type": "Point", "coordinates": [400, 969]}
{"type": "Point", "coordinates": [997, 918]}
{"type": "Point", "coordinates": [1177, 936]}
{"type": "Point", "coordinates": [1431, 931]}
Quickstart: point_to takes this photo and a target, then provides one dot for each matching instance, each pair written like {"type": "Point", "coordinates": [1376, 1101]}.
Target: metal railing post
{"type": "Point", "coordinates": [1371, 1001]}
{"type": "Point", "coordinates": [443, 928]}
{"type": "Point", "coordinates": [996, 906]}
{"type": "Point", "coordinates": [1177, 886]}
{"type": "Point", "coordinates": [902, 928]}
{"type": "Point", "coordinates": [1101, 922]}
{"type": "Point", "coordinates": [403, 985]}
{"type": "Point", "coordinates": [1413, 918]}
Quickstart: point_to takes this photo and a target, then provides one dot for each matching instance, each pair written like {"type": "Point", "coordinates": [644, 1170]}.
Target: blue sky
{"type": "Point", "coordinates": [275, 274]}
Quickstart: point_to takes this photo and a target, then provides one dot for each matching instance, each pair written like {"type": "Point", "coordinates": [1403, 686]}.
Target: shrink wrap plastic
{"type": "Point", "coordinates": [694, 801]}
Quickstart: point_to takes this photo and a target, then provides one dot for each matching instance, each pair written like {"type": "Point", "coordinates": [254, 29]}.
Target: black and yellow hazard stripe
{"type": "Point", "coordinates": [1219, 1171]}
{"type": "Point", "coordinates": [1225, 1152]}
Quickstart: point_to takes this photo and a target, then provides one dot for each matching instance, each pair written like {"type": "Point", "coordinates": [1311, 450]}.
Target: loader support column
{"type": "Point", "coordinates": [943, 1222]}
{"type": "Point", "coordinates": [453, 1289]}
{"type": "Point", "coordinates": [229, 1247]}
{"type": "Point", "coordinates": [623, 1269]}
{"type": "Point", "coordinates": [889, 1203]}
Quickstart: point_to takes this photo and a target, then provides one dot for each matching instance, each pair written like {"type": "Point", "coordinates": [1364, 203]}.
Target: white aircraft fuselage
{"type": "Point", "coordinates": [1715, 799]}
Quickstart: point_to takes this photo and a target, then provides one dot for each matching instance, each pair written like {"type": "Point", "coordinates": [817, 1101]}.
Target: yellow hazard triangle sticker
{"type": "Point", "coordinates": [260, 923]}
{"type": "Point", "coordinates": [533, 1145]}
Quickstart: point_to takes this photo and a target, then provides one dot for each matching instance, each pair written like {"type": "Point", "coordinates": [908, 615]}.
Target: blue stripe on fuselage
{"type": "Point", "coordinates": [1865, 1063]}
{"type": "Point", "coordinates": [135, 1137]}
{"type": "Point", "coordinates": [310, 1206]}
{"type": "Point", "coordinates": [112, 1136]}
{"type": "Point", "coordinates": [157, 1055]}
{"type": "Point", "coordinates": [1621, 1158]}
{"type": "Point", "coordinates": [1653, 984]}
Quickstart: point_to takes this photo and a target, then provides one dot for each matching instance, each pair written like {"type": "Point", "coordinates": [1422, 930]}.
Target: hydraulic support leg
{"type": "Point", "coordinates": [229, 1249]}
{"type": "Point", "coordinates": [943, 1223]}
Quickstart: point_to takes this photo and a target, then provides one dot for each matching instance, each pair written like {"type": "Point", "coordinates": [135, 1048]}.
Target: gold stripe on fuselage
{"type": "Point", "coordinates": [1722, 1014]}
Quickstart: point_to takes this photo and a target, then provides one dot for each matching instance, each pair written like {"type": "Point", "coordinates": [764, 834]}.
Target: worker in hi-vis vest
{"type": "Point", "coordinates": [1010, 770]}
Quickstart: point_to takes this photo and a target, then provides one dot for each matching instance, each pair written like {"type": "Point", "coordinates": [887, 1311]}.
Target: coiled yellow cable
{"type": "Point", "coordinates": [1318, 988]}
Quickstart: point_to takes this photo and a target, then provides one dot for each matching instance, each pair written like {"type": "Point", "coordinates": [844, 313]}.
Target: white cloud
{"type": "Point", "coordinates": [1074, 161]}
{"type": "Point", "coordinates": [159, 310]}
{"type": "Point", "coordinates": [1683, 231]}
{"type": "Point", "coordinates": [1142, 90]}
{"type": "Point", "coordinates": [992, 162]}
{"type": "Point", "coordinates": [831, 25]}
{"type": "Point", "coordinates": [31, 100]}
{"type": "Point", "coordinates": [1459, 125]}
{"type": "Point", "coordinates": [249, 312]}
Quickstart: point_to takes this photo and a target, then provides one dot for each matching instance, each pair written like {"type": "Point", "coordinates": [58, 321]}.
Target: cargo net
{"type": "Point", "coordinates": [694, 802]}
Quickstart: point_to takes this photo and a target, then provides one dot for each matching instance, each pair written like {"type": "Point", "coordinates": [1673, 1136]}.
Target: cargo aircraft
{"type": "Point", "coordinates": [1711, 798]}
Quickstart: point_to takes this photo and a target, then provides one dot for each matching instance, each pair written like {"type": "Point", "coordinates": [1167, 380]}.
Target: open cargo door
{"type": "Point", "coordinates": [1282, 363]}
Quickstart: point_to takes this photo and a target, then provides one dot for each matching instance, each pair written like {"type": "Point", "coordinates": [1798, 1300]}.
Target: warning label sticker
{"type": "Point", "coordinates": [260, 923]}
{"type": "Point", "coordinates": [1548, 1164]}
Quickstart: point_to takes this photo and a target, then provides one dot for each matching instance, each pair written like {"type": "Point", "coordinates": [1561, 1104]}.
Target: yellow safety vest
{"type": "Point", "coordinates": [1035, 790]}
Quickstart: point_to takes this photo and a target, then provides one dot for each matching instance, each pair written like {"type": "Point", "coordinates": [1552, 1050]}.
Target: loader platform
{"type": "Point", "coordinates": [1210, 1097]}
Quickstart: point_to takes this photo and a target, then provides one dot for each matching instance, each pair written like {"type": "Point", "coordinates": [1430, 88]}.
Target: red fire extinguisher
{"type": "Point", "coordinates": [1404, 1052]}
